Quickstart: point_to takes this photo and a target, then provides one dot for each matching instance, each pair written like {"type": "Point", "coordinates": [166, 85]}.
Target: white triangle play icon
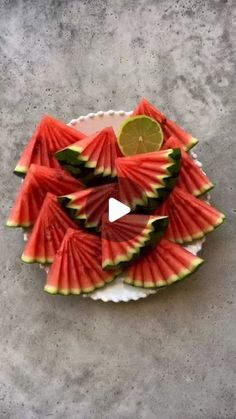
{"type": "Point", "coordinates": [116, 210]}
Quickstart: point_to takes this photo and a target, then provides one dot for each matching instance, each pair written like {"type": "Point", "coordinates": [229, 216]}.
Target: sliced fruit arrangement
{"type": "Point", "coordinates": [88, 206]}
{"type": "Point", "coordinates": [50, 135]}
{"type": "Point", "coordinates": [47, 233]}
{"type": "Point", "coordinates": [190, 218]}
{"type": "Point", "coordinates": [146, 179]}
{"type": "Point", "coordinates": [165, 264]}
{"type": "Point", "coordinates": [124, 239]}
{"type": "Point", "coordinates": [148, 169]}
{"type": "Point", "coordinates": [140, 134]}
{"type": "Point", "coordinates": [77, 265]}
{"type": "Point", "coordinates": [96, 152]}
{"type": "Point", "coordinates": [191, 177]}
{"type": "Point", "coordinates": [169, 127]}
{"type": "Point", "coordinates": [38, 181]}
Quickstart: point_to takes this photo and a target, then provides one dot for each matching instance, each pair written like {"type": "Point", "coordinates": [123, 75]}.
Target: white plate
{"type": "Point", "coordinates": [117, 291]}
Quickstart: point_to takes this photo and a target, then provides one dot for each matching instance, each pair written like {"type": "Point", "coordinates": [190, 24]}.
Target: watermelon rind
{"type": "Point", "coordinates": [190, 218]}
{"type": "Point", "coordinates": [184, 274]}
{"type": "Point", "coordinates": [169, 127]}
{"type": "Point", "coordinates": [192, 179]}
{"type": "Point", "coordinates": [132, 169]}
{"type": "Point", "coordinates": [152, 260]}
{"type": "Point", "coordinates": [77, 291]}
{"type": "Point", "coordinates": [38, 181]}
{"type": "Point", "coordinates": [50, 135]}
{"type": "Point", "coordinates": [62, 281]}
{"type": "Point", "coordinates": [47, 233]}
{"type": "Point", "coordinates": [95, 154]}
{"type": "Point", "coordinates": [151, 234]}
{"type": "Point", "coordinates": [88, 206]}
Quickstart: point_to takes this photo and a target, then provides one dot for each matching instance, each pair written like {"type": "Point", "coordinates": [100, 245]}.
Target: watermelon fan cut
{"type": "Point", "coordinates": [48, 232]}
{"type": "Point", "coordinates": [169, 128]}
{"type": "Point", "coordinates": [163, 184]}
{"type": "Point", "coordinates": [88, 206]}
{"type": "Point", "coordinates": [165, 264]}
{"type": "Point", "coordinates": [189, 217]}
{"type": "Point", "coordinates": [191, 177]}
{"type": "Point", "coordinates": [96, 152]}
{"type": "Point", "coordinates": [38, 181]}
{"type": "Point", "coordinates": [146, 179]}
{"type": "Point", "coordinates": [77, 265]}
{"type": "Point", "coordinates": [124, 239]}
{"type": "Point", "coordinates": [50, 136]}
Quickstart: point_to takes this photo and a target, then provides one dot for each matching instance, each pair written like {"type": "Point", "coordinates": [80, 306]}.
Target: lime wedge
{"type": "Point", "coordinates": [140, 134]}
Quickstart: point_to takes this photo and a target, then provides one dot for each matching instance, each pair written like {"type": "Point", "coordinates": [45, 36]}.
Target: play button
{"type": "Point", "coordinates": [116, 209]}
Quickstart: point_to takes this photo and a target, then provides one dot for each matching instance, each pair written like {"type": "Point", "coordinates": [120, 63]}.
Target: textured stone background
{"type": "Point", "coordinates": [173, 355]}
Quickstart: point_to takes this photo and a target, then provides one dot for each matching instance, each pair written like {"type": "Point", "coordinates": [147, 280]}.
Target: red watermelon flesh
{"type": "Point", "coordinates": [124, 239]}
{"type": "Point", "coordinates": [165, 264]}
{"type": "Point", "coordinates": [97, 152]}
{"type": "Point", "coordinates": [169, 128]}
{"type": "Point", "coordinates": [38, 181]}
{"type": "Point", "coordinates": [189, 217]}
{"type": "Point", "coordinates": [77, 265]}
{"type": "Point", "coordinates": [48, 232]}
{"type": "Point", "coordinates": [89, 205]}
{"type": "Point", "coordinates": [50, 136]}
{"type": "Point", "coordinates": [146, 175]}
{"type": "Point", "coordinates": [191, 177]}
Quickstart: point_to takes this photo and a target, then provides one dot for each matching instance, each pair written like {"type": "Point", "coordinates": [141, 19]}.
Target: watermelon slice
{"type": "Point", "coordinates": [189, 217]}
{"type": "Point", "coordinates": [96, 152]}
{"type": "Point", "coordinates": [50, 135]}
{"type": "Point", "coordinates": [165, 264]}
{"type": "Point", "coordinates": [77, 265]}
{"type": "Point", "coordinates": [47, 233]}
{"type": "Point", "coordinates": [191, 177]}
{"type": "Point", "coordinates": [169, 127]}
{"type": "Point", "coordinates": [89, 205]}
{"type": "Point", "coordinates": [146, 179]}
{"type": "Point", "coordinates": [123, 240]}
{"type": "Point", "coordinates": [38, 181]}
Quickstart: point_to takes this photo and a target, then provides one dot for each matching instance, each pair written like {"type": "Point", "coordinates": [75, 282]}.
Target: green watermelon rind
{"type": "Point", "coordinates": [203, 233]}
{"type": "Point", "coordinates": [74, 210]}
{"type": "Point", "coordinates": [24, 224]}
{"type": "Point", "coordinates": [148, 240]}
{"type": "Point", "coordinates": [159, 192]}
{"type": "Point", "coordinates": [61, 291]}
{"type": "Point", "coordinates": [36, 259]}
{"type": "Point", "coordinates": [72, 157]}
{"type": "Point", "coordinates": [205, 189]}
{"type": "Point", "coordinates": [20, 171]}
{"type": "Point", "coordinates": [192, 142]}
{"type": "Point", "coordinates": [175, 278]}
{"type": "Point", "coordinates": [68, 155]}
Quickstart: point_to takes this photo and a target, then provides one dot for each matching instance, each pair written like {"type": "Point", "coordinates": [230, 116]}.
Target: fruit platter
{"type": "Point", "coordinates": [70, 172]}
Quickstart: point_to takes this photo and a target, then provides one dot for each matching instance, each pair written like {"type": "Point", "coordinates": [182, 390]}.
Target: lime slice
{"type": "Point", "coordinates": [140, 134]}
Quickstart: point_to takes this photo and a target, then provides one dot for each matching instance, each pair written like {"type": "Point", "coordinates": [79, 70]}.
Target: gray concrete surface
{"type": "Point", "coordinates": [172, 356]}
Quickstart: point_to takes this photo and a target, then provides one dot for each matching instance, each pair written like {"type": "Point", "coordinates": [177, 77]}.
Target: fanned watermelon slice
{"type": "Point", "coordinates": [89, 205]}
{"type": "Point", "coordinates": [38, 181]}
{"type": "Point", "coordinates": [123, 240]}
{"type": "Point", "coordinates": [169, 128]}
{"type": "Point", "coordinates": [165, 264]}
{"type": "Point", "coordinates": [96, 152]}
{"type": "Point", "coordinates": [50, 136]}
{"type": "Point", "coordinates": [146, 179]}
{"type": "Point", "coordinates": [189, 217]}
{"type": "Point", "coordinates": [191, 177]}
{"type": "Point", "coordinates": [48, 232]}
{"type": "Point", "coordinates": [77, 265]}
